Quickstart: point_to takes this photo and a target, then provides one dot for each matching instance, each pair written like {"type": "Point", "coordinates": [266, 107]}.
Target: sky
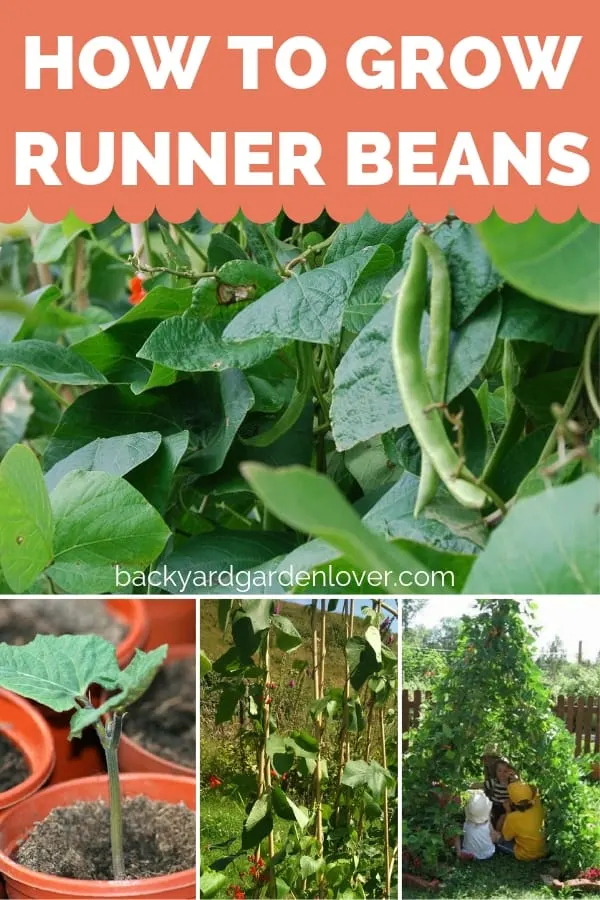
{"type": "Point", "coordinates": [574, 619]}
{"type": "Point", "coordinates": [358, 604]}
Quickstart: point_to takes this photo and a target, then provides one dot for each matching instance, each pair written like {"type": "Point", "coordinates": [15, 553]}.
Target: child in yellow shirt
{"type": "Point", "coordinates": [523, 828]}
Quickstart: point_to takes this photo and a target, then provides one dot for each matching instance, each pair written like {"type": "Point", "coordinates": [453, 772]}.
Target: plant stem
{"type": "Point", "coordinates": [267, 761]}
{"type": "Point", "coordinates": [49, 390]}
{"type": "Point", "coordinates": [588, 376]}
{"type": "Point", "coordinates": [188, 240]}
{"type": "Point", "coordinates": [386, 811]}
{"type": "Point", "coordinates": [109, 738]}
{"type": "Point", "coordinates": [80, 276]}
{"type": "Point", "coordinates": [511, 433]}
{"type": "Point", "coordinates": [565, 414]}
{"type": "Point", "coordinates": [267, 239]}
{"type": "Point", "coordinates": [316, 248]}
{"type": "Point", "coordinates": [318, 696]}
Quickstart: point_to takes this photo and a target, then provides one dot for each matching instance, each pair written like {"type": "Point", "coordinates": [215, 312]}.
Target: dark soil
{"type": "Point", "coordinates": [74, 841]}
{"type": "Point", "coordinates": [163, 721]}
{"type": "Point", "coordinates": [14, 768]}
{"type": "Point", "coordinates": [22, 619]}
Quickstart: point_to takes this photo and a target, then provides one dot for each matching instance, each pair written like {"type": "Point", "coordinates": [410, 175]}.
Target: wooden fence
{"type": "Point", "coordinates": [580, 714]}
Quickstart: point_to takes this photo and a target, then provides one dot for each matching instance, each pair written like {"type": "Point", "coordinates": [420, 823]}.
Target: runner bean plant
{"type": "Point", "coordinates": [344, 842]}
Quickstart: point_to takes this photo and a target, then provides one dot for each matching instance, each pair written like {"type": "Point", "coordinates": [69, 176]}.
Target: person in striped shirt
{"type": "Point", "coordinates": [499, 774]}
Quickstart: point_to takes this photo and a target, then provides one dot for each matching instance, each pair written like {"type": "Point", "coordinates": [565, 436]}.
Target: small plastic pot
{"type": "Point", "coordinates": [133, 757]}
{"type": "Point", "coordinates": [28, 730]}
{"type": "Point", "coordinates": [18, 822]}
{"type": "Point", "coordinates": [83, 757]}
{"type": "Point", "coordinates": [170, 621]}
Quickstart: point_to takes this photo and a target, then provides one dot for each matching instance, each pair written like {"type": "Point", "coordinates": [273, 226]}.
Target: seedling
{"type": "Point", "coordinates": [59, 672]}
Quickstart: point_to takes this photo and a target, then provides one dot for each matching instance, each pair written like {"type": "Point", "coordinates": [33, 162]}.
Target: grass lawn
{"type": "Point", "coordinates": [221, 819]}
{"type": "Point", "coordinates": [500, 876]}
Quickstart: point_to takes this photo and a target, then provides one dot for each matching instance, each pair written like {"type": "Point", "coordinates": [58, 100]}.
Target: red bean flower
{"type": "Point", "coordinates": [214, 782]}
{"type": "Point", "coordinates": [137, 292]}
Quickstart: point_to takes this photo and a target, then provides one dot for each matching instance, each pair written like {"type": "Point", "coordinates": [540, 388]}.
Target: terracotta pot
{"type": "Point", "coordinates": [83, 757]}
{"type": "Point", "coordinates": [17, 824]}
{"type": "Point", "coordinates": [170, 621]}
{"type": "Point", "coordinates": [27, 728]}
{"type": "Point", "coordinates": [133, 757]}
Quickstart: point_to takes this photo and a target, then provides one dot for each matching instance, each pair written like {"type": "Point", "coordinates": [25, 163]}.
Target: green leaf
{"type": "Point", "coordinates": [51, 362]}
{"type": "Point", "coordinates": [111, 411]}
{"type": "Point", "coordinates": [368, 294]}
{"type": "Point", "coordinates": [221, 249]}
{"type": "Point", "coordinates": [114, 350]}
{"type": "Point", "coordinates": [228, 703]}
{"type": "Point", "coordinates": [101, 521]}
{"type": "Point", "coordinates": [53, 240]}
{"type": "Point", "coordinates": [282, 889]}
{"type": "Point", "coordinates": [310, 866]}
{"type": "Point", "coordinates": [377, 779]}
{"type": "Point", "coordinates": [258, 824]}
{"type": "Point", "coordinates": [231, 553]}
{"type": "Point", "coordinates": [556, 533]}
{"type": "Point", "coordinates": [226, 401]}
{"type": "Point", "coordinates": [134, 681]}
{"type": "Point", "coordinates": [312, 503]}
{"type": "Point", "coordinates": [362, 660]}
{"type": "Point", "coordinates": [557, 263]}
{"type": "Point", "coordinates": [287, 809]}
{"type": "Point", "coordinates": [191, 345]}
{"type": "Point", "coordinates": [205, 664]}
{"type": "Point", "coordinates": [245, 637]}
{"type": "Point", "coordinates": [137, 677]}
{"type": "Point", "coordinates": [368, 232]}
{"type": "Point", "coordinates": [365, 398]}
{"type": "Point", "coordinates": [536, 395]}
{"type": "Point", "coordinates": [26, 526]}
{"type": "Point", "coordinates": [524, 319]}
{"type": "Point", "coordinates": [211, 884]}
{"type": "Point", "coordinates": [447, 526]}
{"type": "Point", "coordinates": [259, 613]}
{"type": "Point", "coordinates": [472, 345]}
{"type": "Point", "coordinates": [355, 773]}
{"type": "Point", "coordinates": [373, 638]}
{"type": "Point", "coordinates": [116, 456]}
{"type": "Point", "coordinates": [154, 478]}
{"type": "Point", "coordinates": [73, 225]}
{"type": "Point", "coordinates": [308, 307]}
{"type": "Point", "coordinates": [55, 671]}
{"type": "Point", "coordinates": [287, 637]}
{"type": "Point", "coordinates": [519, 462]}
{"type": "Point", "coordinates": [224, 610]}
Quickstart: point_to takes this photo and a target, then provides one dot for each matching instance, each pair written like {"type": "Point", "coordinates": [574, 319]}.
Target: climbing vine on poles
{"type": "Point", "coordinates": [335, 810]}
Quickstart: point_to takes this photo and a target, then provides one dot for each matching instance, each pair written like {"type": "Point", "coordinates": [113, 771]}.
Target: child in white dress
{"type": "Point", "coordinates": [479, 837]}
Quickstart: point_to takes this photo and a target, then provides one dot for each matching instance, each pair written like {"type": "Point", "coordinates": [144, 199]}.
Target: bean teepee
{"type": "Point", "coordinates": [492, 691]}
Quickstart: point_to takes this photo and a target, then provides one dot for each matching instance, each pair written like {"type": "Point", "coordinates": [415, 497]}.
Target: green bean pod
{"type": "Point", "coordinates": [413, 385]}
{"type": "Point", "coordinates": [437, 356]}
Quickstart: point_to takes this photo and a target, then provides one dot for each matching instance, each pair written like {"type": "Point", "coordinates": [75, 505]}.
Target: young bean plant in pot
{"type": "Point", "coordinates": [59, 672]}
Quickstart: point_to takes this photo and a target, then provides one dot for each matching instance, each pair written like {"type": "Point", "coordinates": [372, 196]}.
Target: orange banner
{"type": "Point", "coordinates": [436, 107]}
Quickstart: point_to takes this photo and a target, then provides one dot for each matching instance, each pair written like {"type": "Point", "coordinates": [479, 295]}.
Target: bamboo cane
{"type": "Point", "coordinates": [267, 761]}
